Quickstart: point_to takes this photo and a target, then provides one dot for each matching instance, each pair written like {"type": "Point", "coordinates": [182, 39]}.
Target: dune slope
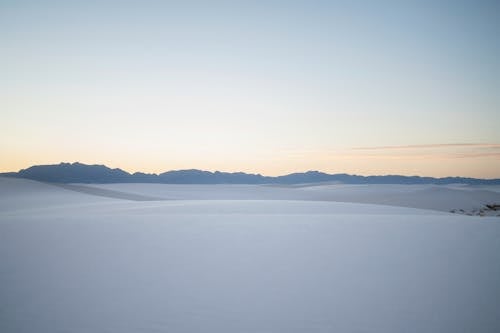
{"type": "Point", "coordinates": [77, 262]}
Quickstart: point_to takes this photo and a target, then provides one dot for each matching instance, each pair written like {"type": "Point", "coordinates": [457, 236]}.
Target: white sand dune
{"type": "Point", "coordinates": [107, 193]}
{"type": "Point", "coordinates": [220, 258]}
{"type": "Point", "coordinates": [441, 198]}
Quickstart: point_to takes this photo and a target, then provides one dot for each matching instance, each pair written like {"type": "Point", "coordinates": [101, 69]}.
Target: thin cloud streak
{"type": "Point", "coordinates": [436, 145]}
{"type": "Point", "coordinates": [472, 155]}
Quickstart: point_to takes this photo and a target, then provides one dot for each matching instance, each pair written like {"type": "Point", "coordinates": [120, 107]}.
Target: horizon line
{"type": "Point", "coordinates": [248, 173]}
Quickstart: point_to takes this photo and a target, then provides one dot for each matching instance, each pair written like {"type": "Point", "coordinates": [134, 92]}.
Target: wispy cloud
{"type": "Point", "coordinates": [437, 150]}
{"type": "Point", "coordinates": [477, 155]}
{"type": "Point", "coordinates": [432, 146]}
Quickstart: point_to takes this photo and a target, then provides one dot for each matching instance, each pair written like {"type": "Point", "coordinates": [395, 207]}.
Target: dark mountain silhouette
{"type": "Point", "coordinates": [305, 177]}
{"type": "Point", "coordinates": [205, 177]}
{"type": "Point", "coordinates": [74, 173]}
{"type": "Point", "coordinates": [83, 173]}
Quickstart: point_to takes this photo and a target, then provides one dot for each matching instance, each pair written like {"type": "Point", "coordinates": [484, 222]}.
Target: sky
{"type": "Point", "coordinates": [270, 87]}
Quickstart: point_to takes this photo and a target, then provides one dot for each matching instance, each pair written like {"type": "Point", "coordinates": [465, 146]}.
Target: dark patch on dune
{"type": "Point", "coordinates": [107, 193]}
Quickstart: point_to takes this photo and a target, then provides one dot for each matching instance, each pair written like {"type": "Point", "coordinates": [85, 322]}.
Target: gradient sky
{"type": "Point", "coordinates": [365, 87]}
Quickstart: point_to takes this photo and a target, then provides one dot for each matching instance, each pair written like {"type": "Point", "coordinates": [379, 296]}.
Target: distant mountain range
{"type": "Point", "coordinates": [83, 173]}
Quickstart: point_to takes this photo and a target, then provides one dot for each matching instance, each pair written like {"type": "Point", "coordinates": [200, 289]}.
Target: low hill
{"type": "Point", "coordinates": [84, 173]}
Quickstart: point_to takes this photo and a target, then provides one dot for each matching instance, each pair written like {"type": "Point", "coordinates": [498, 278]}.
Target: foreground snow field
{"type": "Point", "coordinates": [121, 258]}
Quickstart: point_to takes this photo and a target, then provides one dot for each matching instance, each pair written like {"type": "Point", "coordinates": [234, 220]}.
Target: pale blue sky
{"type": "Point", "coordinates": [261, 86]}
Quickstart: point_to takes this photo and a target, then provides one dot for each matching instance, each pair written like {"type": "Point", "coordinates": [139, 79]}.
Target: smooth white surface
{"type": "Point", "coordinates": [441, 198]}
{"type": "Point", "coordinates": [74, 262]}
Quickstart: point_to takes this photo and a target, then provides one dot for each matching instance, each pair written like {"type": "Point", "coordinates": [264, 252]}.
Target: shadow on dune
{"type": "Point", "coordinates": [107, 193]}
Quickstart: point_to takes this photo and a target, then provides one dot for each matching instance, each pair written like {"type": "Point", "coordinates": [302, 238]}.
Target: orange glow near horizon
{"type": "Point", "coordinates": [465, 160]}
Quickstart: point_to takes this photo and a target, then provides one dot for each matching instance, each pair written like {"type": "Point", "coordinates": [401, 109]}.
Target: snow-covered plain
{"type": "Point", "coordinates": [237, 258]}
